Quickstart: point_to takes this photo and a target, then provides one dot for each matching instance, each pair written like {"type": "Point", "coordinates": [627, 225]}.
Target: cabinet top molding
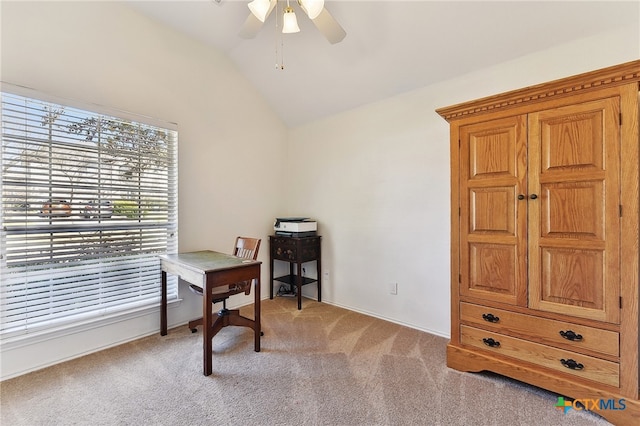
{"type": "Point", "coordinates": [607, 77]}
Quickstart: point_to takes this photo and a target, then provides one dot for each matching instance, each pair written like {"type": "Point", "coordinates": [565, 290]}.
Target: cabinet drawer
{"type": "Point", "coordinates": [284, 242]}
{"type": "Point", "coordinates": [585, 366]}
{"type": "Point", "coordinates": [292, 249]}
{"type": "Point", "coordinates": [283, 248]}
{"type": "Point", "coordinates": [577, 338]}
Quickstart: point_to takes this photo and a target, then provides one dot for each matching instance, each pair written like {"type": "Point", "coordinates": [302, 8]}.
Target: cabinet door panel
{"type": "Point", "coordinates": [573, 277]}
{"type": "Point", "coordinates": [492, 210]}
{"type": "Point", "coordinates": [492, 269]}
{"type": "Point", "coordinates": [574, 221]}
{"type": "Point", "coordinates": [493, 220]}
{"type": "Point", "coordinates": [573, 210]}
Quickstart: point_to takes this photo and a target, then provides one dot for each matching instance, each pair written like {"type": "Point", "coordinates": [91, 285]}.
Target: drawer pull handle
{"type": "Point", "coordinates": [490, 342]}
{"type": "Point", "coordinates": [490, 318]}
{"type": "Point", "coordinates": [570, 335]}
{"type": "Point", "coordinates": [571, 364]}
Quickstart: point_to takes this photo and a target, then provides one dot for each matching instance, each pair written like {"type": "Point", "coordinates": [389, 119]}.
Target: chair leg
{"type": "Point", "coordinates": [193, 324]}
{"type": "Point", "coordinates": [198, 321]}
{"type": "Point", "coordinates": [234, 318]}
{"type": "Point", "coordinates": [225, 317]}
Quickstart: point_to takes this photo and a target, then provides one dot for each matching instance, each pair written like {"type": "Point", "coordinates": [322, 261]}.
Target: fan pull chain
{"type": "Point", "coordinates": [281, 66]}
{"type": "Point", "coordinates": [280, 62]}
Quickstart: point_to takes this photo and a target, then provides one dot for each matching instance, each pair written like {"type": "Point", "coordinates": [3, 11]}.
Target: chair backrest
{"type": "Point", "coordinates": [247, 248]}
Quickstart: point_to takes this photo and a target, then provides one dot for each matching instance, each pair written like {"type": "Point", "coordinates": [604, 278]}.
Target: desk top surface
{"type": "Point", "coordinates": [207, 261]}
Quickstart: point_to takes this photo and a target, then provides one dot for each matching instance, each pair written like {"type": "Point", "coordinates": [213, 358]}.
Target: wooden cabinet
{"type": "Point", "coordinates": [544, 249]}
{"type": "Point", "coordinates": [295, 251]}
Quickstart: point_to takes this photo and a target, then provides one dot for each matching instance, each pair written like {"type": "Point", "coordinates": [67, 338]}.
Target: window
{"type": "Point", "coordinates": [88, 202]}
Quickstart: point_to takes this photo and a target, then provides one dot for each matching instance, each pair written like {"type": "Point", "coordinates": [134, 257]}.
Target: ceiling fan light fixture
{"type": "Point", "coordinates": [312, 7]}
{"type": "Point", "coordinates": [289, 21]}
{"type": "Point", "coordinates": [260, 8]}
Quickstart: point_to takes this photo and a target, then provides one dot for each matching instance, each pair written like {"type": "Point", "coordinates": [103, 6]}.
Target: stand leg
{"type": "Point", "coordinates": [271, 279]}
{"type": "Point", "coordinates": [299, 285]}
{"type": "Point", "coordinates": [319, 279]}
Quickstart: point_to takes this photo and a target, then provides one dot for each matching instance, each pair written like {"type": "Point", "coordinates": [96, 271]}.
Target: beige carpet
{"type": "Point", "coordinates": [319, 366]}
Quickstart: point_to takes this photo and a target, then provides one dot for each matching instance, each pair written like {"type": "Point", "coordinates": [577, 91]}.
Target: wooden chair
{"type": "Point", "coordinates": [247, 248]}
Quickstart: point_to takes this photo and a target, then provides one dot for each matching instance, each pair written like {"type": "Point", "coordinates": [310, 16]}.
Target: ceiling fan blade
{"type": "Point", "coordinates": [251, 27]}
{"type": "Point", "coordinates": [329, 27]}
{"type": "Point", "coordinates": [252, 24]}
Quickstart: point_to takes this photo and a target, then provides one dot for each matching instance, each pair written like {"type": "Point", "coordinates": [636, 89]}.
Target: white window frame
{"type": "Point", "coordinates": [100, 259]}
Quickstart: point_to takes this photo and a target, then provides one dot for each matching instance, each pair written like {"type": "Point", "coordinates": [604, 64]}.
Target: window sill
{"type": "Point", "coordinates": [30, 338]}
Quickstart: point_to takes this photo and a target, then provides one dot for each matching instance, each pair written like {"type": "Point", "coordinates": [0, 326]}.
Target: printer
{"type": "Point", "coordinates": [295, 226]}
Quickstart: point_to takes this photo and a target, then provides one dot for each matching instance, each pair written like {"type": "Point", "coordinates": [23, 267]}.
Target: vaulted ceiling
{"type": "Point", "coordinates": [391, 46]}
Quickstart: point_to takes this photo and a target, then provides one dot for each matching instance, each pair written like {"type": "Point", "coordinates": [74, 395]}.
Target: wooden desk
{"type": "Point", "coordinates": [295, 250]}
{"type": "Point", "coordinates": [208, 269]}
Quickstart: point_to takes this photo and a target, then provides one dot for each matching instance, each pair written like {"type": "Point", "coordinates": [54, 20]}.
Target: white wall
{"type": "Point", "coordinates": [103, 53]}
{"type": "Point", "coordinates": [377, 180]}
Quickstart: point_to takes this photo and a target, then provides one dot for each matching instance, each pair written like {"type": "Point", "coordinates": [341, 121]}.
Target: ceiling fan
{"type": "Point", "coordinates": [314, 9]}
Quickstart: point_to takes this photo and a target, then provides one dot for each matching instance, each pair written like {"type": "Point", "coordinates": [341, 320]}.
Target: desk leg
{"type": "Point", "coordinates": [207, 344]}
{"type": "Point", "coordinates": [256, 312]}
{"type": "Point", "coordinates": [163, 304]}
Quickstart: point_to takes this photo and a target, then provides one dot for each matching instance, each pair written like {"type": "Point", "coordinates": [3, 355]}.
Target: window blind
{"type": "Point", "coordinates": [88, 202]}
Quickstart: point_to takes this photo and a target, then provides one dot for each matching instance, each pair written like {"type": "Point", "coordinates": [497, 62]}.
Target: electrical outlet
{"type": "Point", "coordinates": [393, 288]}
